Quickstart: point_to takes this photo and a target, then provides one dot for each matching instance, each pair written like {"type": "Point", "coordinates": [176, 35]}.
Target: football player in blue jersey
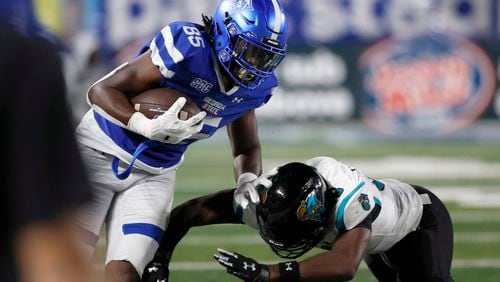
{"type": "Point", "coordinates": [403, 232]}
{"type": "Point", "coordinates": [226, 66]}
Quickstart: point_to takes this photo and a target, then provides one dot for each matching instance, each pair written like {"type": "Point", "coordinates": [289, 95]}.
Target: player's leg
{"type": "Point", "coordinates": [426, 254]}
{"type": "Point", "coordinates": [92, 216]}
{"type": "Point", "coordinates": [380, 268]}
{"type": "Point", "coordinates": [136, 224]}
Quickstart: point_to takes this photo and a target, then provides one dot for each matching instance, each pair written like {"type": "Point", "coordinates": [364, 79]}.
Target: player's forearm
{"type": "Point", "coordinates": [245, 145]}
{"type": "Point", "coordinates": [339, 264]}
{"type": "Point", "coordinates": [111, 103]}
{"type": "Point", "coordinates": [323, 267]}
{"type": "Point", "coordinates": [248, 161]}
{"type": "Point", "coordinates": [211, 209]}
{"type": "Point", "coordinates": [330, 266]}
{"type": "Point", "coordinates": [111, 94]}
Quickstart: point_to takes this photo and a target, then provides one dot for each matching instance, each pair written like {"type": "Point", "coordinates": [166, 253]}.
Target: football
{"type": "Point", "coordinates": [155, 102]}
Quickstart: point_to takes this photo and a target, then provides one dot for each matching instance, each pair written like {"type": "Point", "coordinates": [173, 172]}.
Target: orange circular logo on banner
{"type": "Point", "coordinates": [430, 85]}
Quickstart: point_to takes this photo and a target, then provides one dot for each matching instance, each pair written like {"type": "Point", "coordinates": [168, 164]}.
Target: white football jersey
{"type": "Point", "coordinates": [400, 213]}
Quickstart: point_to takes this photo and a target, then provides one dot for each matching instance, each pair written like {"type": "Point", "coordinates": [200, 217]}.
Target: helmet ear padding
{"type": "Point", "coordinates": [296, 211]}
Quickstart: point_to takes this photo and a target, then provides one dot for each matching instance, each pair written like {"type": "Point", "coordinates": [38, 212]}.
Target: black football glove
{"type": "Point", "coordinates": [155, 271]}
{"type": "Point", "coordinates": [242, 267]}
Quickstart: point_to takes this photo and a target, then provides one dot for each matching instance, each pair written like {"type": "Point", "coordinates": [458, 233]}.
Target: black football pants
{"type": "Point", "coordinates": [425, 254]}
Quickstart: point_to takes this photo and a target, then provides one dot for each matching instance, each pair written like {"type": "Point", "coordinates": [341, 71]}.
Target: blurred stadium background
{"type": "Point", "coordinates": [397, 88]}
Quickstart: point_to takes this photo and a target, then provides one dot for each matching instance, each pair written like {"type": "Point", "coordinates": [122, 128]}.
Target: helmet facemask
{"type": "Point", "coordinates": [286, 241]}
{"type": "Point", "coordinates": [252, 61]}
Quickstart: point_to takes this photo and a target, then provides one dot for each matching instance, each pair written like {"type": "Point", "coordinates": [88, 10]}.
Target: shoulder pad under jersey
{"type": "Point", "coordinates": [176, 44]}
{"type": "Point", "coordinates": [353, 207]}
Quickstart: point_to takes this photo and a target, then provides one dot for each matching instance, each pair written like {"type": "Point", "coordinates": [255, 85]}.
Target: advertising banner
{"type": "Point", "coordinates": [402, 66]}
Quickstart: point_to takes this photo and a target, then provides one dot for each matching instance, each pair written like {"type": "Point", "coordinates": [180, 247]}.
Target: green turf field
{"type": "Point", "coordinates": [476, 218]}
{"type": "Point", "coordinates": [477, 228]}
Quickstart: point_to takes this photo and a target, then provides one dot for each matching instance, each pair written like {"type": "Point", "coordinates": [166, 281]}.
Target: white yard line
{"type": "Point", "coordinates": [428, 167]}
{"type": "Point", "coordinates": [465, 196]}
{"type": "Point", "coordinates": [416, 167]}
{"type": "Point", "coordinates": [476, 237]}
{"type": "Point", "coordinates": [478, 197]}
{"type": "Point", "coordinates": [243, 239]}
{"type": "Point", "coordinates": [482, 216]}
{"type": "Point", "coordinates": [457, 263]}
{"type": "Point", "coordinates": [205, 265]}
{"type": "Point", "coordinates": [254, 239]}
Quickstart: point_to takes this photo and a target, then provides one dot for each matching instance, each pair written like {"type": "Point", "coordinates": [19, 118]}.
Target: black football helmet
{"type": "Point", "coordinates": [296, 210]}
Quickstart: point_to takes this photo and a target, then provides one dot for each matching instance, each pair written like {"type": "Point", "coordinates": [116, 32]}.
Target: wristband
{"type": "Point", "coordinates": [140, 124]}
{"type": "Point", "coordinates": [264, 273]}
{"type": "Point", "coordinates": [289, 271]}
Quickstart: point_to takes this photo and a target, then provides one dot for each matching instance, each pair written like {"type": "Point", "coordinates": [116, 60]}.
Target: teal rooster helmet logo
{"type": "Point", "coordinates": [310, 208]}
{"type": "Point", "coordinates": [364, 201]}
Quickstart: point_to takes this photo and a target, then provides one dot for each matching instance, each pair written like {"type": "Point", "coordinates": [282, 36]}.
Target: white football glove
{"type": "Point", "coordinates": [248, 187]}
{"type": "Point", "coordinates": [264, 178]}
{"type": "Point", "coordinates": [167, 127]}
{"type": "Point", "coordinates": [246, 190]}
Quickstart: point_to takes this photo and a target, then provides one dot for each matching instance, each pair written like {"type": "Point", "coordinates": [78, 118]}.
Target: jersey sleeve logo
{"type": "Point", "coordinates": [311, 208]}
{"type": "Point", "coordinates": [364, 201]}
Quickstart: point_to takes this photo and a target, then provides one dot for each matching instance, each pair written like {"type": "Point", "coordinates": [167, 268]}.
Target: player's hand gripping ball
{"type": "Point", "coordinates": [155, 102]}
{"type": "Point", "coordinates": [165, 115]}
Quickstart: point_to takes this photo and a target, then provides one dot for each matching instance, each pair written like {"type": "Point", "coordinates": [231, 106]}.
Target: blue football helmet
{"type": "Point", "coordinates": [249, 39]}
